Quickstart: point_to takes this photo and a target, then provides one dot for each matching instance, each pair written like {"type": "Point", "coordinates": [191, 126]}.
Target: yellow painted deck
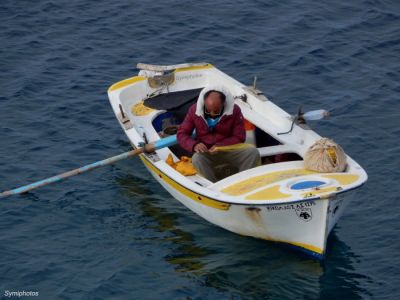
{"type": "Point", "coordinates": [253, 183]}
{"type": "Point", "coordinates": [271, 193]}
{"type": "Point", "coordinates": [274, 192]}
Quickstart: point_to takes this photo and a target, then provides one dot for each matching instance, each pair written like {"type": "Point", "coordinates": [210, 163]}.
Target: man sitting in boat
{"type": "Point", "coordinates": [219, 134]}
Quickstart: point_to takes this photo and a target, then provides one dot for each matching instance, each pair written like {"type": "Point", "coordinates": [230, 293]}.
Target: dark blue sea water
{"type": "Point", "coordinates": [115, 233]}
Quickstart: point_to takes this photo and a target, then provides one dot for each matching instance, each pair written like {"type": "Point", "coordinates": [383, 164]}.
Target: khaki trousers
{"type": "Point", "coordinates": [242, 159]}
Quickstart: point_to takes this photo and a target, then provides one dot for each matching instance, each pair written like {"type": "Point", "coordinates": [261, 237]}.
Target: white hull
{"type": "Point", "coordinates": [282, 223]}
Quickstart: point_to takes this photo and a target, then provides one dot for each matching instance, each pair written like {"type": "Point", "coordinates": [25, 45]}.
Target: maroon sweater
{"type": "Point", "coordinates": [229, 130]}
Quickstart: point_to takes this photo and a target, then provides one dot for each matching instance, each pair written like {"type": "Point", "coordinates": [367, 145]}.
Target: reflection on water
{"type": "Point", "coordinates": [242, 266]}
{"type": "Point", "coordinates": [186, 255]}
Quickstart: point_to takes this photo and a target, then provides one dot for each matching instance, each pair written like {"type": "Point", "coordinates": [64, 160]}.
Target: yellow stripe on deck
{"type": "Point", "coordinates": [185, 191]}
{"type": "Point", "coordinates": [271, 193]}
{"type": "Point", "coordinates": [125, 82]}
{"type": "Point", "coordinates": [134, 79]}
{"type": "Point", "coordinates": [192, 68]}
{"type": "Point", "coordinates": [320, 191]}
{"type": "Point", "coordinates": [343, 179]}
{"type": "Point", "coordinates": [256, 182]}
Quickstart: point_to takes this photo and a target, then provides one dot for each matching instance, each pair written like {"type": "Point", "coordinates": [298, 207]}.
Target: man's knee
{"type": "Point", "coordinates": [252, 156]}
{"type": "Point", "coordinates": [249, 151]}
{"type": "Point", "coordinates": [253, 152]}
{"type": "Point", "coordinates": [204, 166]}
{"type": "Point", "coordinates": [196, 159]}
{"type": "Point", "coordinates": [200, 160]}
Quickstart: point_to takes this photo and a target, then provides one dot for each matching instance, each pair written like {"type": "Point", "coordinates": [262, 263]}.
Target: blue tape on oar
{"type": "Point", "coordinates": [68, 174]}
{"type": "Point", "coordinates": [165, 142]}
{"type": "Point", "coordinates": [161, 143]}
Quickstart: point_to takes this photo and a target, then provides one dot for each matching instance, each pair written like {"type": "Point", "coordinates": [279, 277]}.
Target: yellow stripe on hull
{"type": "Point", "coordinates": [305, 246]}
{"type": "Point", "coordinates": [183, 190]}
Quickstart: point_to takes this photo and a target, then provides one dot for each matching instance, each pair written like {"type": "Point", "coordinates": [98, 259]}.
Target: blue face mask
{"type": "Point", "coordinates": [212, 122]}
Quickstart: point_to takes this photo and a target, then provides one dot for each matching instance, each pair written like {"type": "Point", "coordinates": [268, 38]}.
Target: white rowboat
{"type": "Point", "coordinates": [278, 201]}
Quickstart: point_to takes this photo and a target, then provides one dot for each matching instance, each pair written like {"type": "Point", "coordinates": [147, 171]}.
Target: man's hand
{"type": "Point", "coordinates": [213, 149]}
{"type": "Point", "coordinates": [200, 148]}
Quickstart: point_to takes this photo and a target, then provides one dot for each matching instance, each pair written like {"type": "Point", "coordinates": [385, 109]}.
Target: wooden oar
{"type": "Point", "coordinates": [148, 148]}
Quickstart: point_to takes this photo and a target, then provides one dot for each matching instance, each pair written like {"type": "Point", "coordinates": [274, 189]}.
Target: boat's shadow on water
{"type": "Point", "coordinates": [242, 266]}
